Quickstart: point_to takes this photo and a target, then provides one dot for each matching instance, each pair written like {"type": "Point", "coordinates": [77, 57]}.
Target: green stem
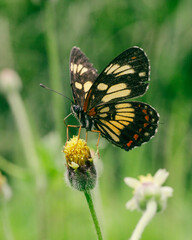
{"type": "Point", "coordinates": [93, 214]}
{"type": "Point", "coordinates": [13, 169]}
{"type": "Point", "coordinates": [21, 119]}
{"type": "Point", "coordinates": [145, 219]}
{"type": "Point", "coordinates": [6, 223]}
{"type": "Point", "coordinates": [54, 66]}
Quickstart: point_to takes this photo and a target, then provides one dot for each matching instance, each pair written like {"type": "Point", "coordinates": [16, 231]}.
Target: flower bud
{"type": "Point", "coordinates": [9, 81]}
{"type": "Point", "coordinates": [81, 171]}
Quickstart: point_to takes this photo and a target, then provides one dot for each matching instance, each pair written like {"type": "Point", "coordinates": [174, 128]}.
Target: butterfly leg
{"type": "Point", "coordinates": [97, 141]}
{"type": "Point", "coordinates": [66, 118]}
{"type": "Point", "coordinates": [74, 126]}
{"type": "Point", "coordinates": [78, 136]}
{"type": "Point", "coordinates": [79, 132]}
{"type": "Point", "coordinates": [86, 135]}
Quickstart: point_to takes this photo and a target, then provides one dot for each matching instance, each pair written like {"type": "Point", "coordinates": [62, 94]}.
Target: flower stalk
{"type": "Point", "coordinates": [11, 84]}
{"type": "Point", "coordinates": [53, 61]}
{"type": "Point", "coordinates": [147, 216]}
{"type": "Point", "coordinates": [6, 221]}
{"type": "Point", "coordinates": [5, 196]}
{"type": "Point", "coordinates": [93, 214]}
{"type": "Point", "coordinates": [13, 169]}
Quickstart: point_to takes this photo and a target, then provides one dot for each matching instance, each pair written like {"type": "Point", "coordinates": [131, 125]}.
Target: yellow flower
{"type": "Point", "coordinates": [81, 171]}
{"type": "Point", "coordinates": [76, 152]}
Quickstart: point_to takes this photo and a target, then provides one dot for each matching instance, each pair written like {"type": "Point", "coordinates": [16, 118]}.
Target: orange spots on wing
{"type": "Point", "coordinates": [144, 111]}
{"type": "Point", "coordinates": [135, 136]}
{"type": "Point", "coordinates": [133, 58]}
{"type": "Point", "coordinates": [129, 143]}
{"type": "Point", "coordinates": [145, 124]}
{"type": "Point", "coordinates": [147, 118]}
{"type": "Point", "coordinates": [92, 112]}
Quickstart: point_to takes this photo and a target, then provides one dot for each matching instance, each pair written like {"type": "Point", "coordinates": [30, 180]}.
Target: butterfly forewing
{"type": "Point", "coordinates": [83, 74]}
{"type": "Point", "coordinates": [126, 124]}
{"type": "Point", "coordinates": [125, 77]}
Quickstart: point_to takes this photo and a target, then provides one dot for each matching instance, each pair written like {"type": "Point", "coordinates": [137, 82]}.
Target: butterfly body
{"type": "Point", "coordinates": [84, 119]}
{"type": "Point", "coordinates": [99, 100]}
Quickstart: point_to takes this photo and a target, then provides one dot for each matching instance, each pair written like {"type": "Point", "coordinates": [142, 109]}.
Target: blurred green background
{"type": "Point", "coordinates": [35, 40]}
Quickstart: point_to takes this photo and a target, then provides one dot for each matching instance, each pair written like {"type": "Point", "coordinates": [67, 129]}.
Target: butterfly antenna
{"type": "Point", "coordinates": [43, 86]}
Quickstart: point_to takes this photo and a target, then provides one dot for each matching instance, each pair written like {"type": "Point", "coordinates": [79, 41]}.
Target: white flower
{"type": "Point", "coordinates": [149, 188]}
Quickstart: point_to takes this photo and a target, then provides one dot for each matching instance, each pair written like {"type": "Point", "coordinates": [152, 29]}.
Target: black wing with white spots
{"type": "Point", "coordinates": [83, 74]}
{"type": "Point", "coordinates": [126, 124]}
{"type": "Point", "coordinates": [127, 76]}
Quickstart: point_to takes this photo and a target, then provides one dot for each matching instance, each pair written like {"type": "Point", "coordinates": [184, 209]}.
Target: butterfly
{"type": "Point", "coordinates": [99, 100]}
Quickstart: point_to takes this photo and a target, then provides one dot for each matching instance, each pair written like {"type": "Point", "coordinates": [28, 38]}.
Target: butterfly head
{"type": "Point", "coordinates": [76, 110]}
{"type": "Point", "coordinates": [82, 117]}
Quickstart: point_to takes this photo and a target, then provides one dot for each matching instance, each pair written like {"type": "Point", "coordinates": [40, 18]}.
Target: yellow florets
{"type": "Point", "coordinates": [76, 151]}
{"type": "Point", "coordinates": [148, 178]}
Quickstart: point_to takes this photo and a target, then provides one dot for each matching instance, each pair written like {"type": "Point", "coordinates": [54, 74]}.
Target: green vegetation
{"type": "Point", "coordinates": [35, 41]}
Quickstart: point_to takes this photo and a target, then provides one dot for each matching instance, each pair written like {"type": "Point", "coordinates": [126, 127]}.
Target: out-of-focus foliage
{"type": "Point", "coordinates": [35, 40]}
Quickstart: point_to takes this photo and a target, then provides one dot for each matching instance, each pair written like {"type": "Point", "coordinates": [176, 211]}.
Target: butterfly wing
{"type": "Point", "coordinates": [126, 124]}
{"type": "Point", "coordinates": [125, 77]}
{"type": "Point", "coordinates": [82, 75]}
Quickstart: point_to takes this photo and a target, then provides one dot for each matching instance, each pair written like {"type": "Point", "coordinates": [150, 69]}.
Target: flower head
{"type": "Point", "coordinates": [76, 151]}
{"type": "Point", "coordinates": [81, 171]}
{"type": "Point", "coordinates": [149, 188]}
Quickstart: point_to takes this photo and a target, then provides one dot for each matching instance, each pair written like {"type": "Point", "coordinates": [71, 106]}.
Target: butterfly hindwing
{"type": "Point", "coordinates": [125, 77]}
{"type": "Point", "coordinates": [126, 124]}
{"type": "Point", "coordinates": [83, 74]}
